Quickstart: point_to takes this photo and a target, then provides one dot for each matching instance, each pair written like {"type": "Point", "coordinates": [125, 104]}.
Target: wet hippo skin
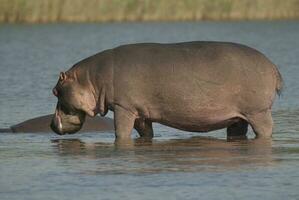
{"type": "Point", "coordinates": [42, 125]}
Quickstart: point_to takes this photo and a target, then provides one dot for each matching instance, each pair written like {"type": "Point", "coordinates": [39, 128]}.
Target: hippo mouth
{"type": "Point", "coordinates": [66, 124]}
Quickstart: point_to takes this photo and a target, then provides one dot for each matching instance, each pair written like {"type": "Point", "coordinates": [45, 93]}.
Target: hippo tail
{"type": "Point", "coordinates": [279, 81]}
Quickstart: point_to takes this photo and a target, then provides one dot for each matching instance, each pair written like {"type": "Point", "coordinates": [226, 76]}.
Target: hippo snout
{"type": "Point", "coordinates": [56, 124]}
{"type": "Point", "coordinates": [55, 128]}
{"type": "Point", "coordinates": [65, 125]}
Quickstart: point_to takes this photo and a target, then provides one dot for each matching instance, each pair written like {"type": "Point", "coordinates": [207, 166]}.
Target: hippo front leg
{"type": "Point", "coordinates": [123, 122]}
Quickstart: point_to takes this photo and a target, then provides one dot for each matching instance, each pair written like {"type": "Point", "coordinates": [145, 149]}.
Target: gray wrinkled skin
{"type": "Point", "coordinates": [194, 86]}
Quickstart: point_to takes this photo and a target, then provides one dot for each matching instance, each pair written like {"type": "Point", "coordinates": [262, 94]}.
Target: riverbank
{"type": "Point", "coordinates": [50, 11]}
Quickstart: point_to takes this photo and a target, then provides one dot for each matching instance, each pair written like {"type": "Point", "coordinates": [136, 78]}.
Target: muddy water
{"type": "Point", "coordinates": [176, 164]}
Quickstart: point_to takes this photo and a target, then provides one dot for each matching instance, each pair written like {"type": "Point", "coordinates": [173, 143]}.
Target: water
{"type": "Point", "coordinates": [176, 164]}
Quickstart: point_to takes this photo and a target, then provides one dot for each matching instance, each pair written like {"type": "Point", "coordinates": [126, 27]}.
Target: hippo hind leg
{"type": "Point", "coordinates": [144, 128]}
{"type": "Point", "coordinates": [238, 130]}
{"type": "Point", "coordinates": [262, 124]}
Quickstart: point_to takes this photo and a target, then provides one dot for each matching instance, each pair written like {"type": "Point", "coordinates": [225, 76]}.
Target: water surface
{"type": "Point", "coordinates": [176, 164]}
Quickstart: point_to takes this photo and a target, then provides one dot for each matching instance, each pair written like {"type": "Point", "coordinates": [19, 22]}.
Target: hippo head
{"type": "Point", "coordinates": [74, 102]}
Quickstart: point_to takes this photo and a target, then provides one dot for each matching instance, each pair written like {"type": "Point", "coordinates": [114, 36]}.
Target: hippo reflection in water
{"type": "Point", "coordinates": [188, 155]}
{"type": "Point", "coordinates": [192, 86]}
{"type": "Point", "coordinates": [41, 125]}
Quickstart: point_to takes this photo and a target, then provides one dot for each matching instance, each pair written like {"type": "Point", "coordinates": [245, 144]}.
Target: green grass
{"type": "Point", "coordinates": [42, 11]}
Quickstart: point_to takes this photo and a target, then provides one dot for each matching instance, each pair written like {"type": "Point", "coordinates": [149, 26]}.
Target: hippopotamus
{"type": "Point", "coordinates": [195, 86]}
{"type": "Point", "coordinates": [41, 125]}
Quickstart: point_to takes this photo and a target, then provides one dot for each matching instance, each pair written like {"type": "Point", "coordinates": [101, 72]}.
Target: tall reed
{"type": "Point", "coordinates": [42, 11]}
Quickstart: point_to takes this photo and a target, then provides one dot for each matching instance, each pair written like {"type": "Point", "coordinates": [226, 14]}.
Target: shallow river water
{"type": "Point", "coordinates": [176, 164]}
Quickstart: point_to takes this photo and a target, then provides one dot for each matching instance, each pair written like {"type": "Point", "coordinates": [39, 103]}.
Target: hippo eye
{"type": "Point", "coordinates": [58, 90]}
{"type": "Point", "coordinates": [55, 92]}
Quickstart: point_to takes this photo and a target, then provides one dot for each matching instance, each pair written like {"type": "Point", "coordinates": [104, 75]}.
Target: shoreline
{"type": "Point", "coordinates": [79, 11]}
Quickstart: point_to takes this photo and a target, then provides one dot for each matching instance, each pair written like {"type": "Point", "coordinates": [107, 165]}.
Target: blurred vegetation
{"type": "Point", "coordinates": [42, 11]}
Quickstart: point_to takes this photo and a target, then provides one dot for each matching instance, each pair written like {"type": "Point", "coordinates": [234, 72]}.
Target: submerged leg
{"type": "Point", "coordinates": [238, 129]}
{"type": "Point", "coordinates": [123, 122]}
{"type": "Point", "coordinates": [144, 128]}
{"type": "Point", "coordinates": [262, 124]}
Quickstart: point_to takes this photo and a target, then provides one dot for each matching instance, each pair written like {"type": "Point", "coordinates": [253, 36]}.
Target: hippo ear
{"type": "Point", "coordinates": [62, 76]}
